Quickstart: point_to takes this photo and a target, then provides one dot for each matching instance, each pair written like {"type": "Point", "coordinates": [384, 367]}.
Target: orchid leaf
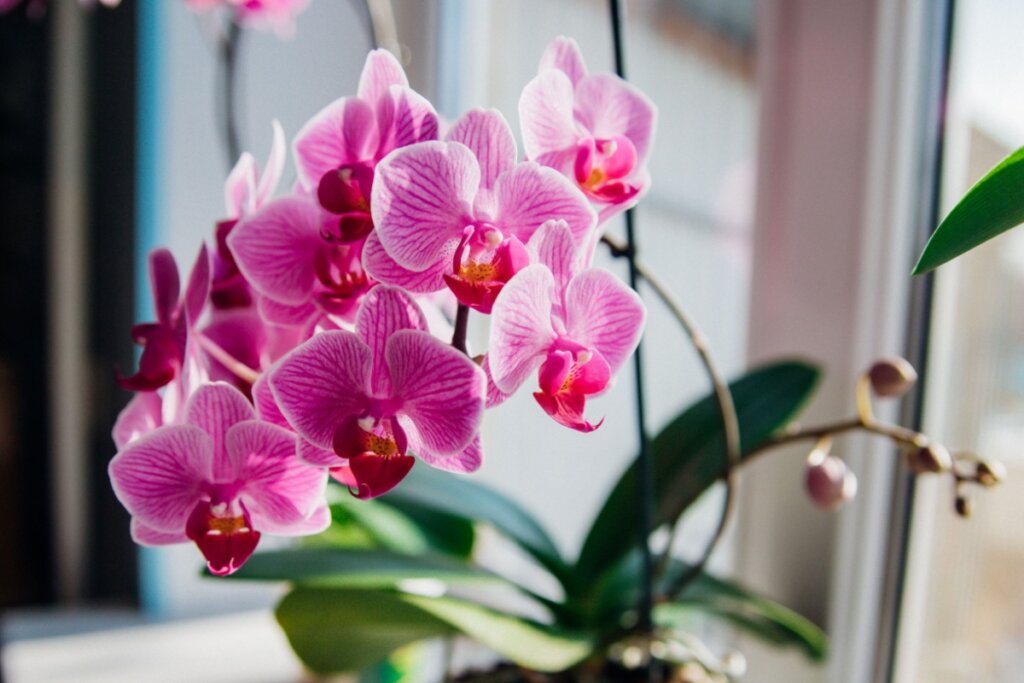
{"type": "Point", "coordinates": [688, 457]}
{"type": "Point", "coordinates": [335, 630]}
{"type": "Point", "coordinates": [359, 568]}
{"type": "Point", "coordinates": [994, 205]}
{"type": "Point", "coordinates": [455, 495]}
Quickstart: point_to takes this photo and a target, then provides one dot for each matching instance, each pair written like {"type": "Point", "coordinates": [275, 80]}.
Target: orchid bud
{"type": "Point", "coordinates": [989, 473]}
{"type": "Point", "coordinates": [930, 459]}
{"type": "Point", "coordinates": [829, 481]}
{"type": "Point", "coordinates": [964, 506]}
{"type": "Point", "coordinates": [892, 377]}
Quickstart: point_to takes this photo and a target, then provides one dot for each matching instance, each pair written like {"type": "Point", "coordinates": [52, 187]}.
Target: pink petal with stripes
{"type": "Point", "coordinates": [275, 248]}
{"type": "Point", "coordinates": [215, 408]}
{"type": "Point", "coordinates": [603, 313]}
{"type": "Point", "coordinates": [344, 132]}
{"type": "Point", "coordinates": [441, 390]}
{"type": "Point", "coordinates": [158, 477]}
{"type": "Point", "coordinates": [521, 330]}
{"type": "Point", "coordinates": [384, 311]}
{"type": "Point", "coordinates": [380, 71]}
{"type": "Point", "coordinates": [321, 383]}
{"type": "Point", "coordinates": [546, 117]}
{"type": "Point", "coordinates": [608, 106]}
{"type": "Point", "coordinates": [554, 246]}
{"type": "Point", "coordinates": [141, 416]}
{"type": "Point", "coordinates": [530, 195]}
{"type": "Point", "coordinates": [488, 136]}
{"type": "Point", "coordinates": [404, 117]}
{"type": "Point", "coordinates": [144, 535]}
{"type": "Point", "coordinates": [383, 268]}
{"type": "Point", "coordinates": [564, 54]}
{"type": "Point", "coordinates": [465, 461]}
{"type": "Point", "coordinates": [421, 201]}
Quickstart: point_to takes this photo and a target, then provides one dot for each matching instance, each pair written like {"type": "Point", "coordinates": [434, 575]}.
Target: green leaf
{"type": "Point", "coordinates": [358, 568]}
{"type": "Point", "coordinates": [763, 618]}
{"type": "Point", "coordinates": [443, 532]}
{"type": "Point", "coordinates": [688, 457]}
{"type": "Point", "coordinates": [456, 495]}
{"type": "Point", "coordinates": [334, 631]}
{"type": "Point", "coordinates": [994, 205]}
{"type": "Point", "coordinates": [525, 642]}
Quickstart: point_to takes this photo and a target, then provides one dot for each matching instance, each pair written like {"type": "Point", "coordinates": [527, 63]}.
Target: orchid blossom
{"type": "Point", "coordinates": [220, 480]}
{"type": "Point", "coordinates": [576, 326]}
{"type": "Point", "coordinates": [459, 212]}
{"type": "Point", "coordinates": [595, 128]}
{"type": "Point", "coordinates": [376, 395]}
{"type": "Point", "coordinates": [277, 15]}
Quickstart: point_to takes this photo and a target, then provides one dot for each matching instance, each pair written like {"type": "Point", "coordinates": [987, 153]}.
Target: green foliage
{"type": "Point", "coordinates": [994, 205]}
{"type": "Point", "coordinates": [359, 595]}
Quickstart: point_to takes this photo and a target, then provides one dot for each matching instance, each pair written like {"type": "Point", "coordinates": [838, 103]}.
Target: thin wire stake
{"type": "Point", "coordinates": [645, 478]}
{"type": "Point", "coordinates": [228, 63]}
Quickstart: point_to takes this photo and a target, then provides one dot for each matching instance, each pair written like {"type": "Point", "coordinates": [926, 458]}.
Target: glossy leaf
{"type": "Point", "coordinates": [688, 457]}
{"type": "Point", "coordinates": [443, 532]}
{"type": "Point", "coordinates": [464, 498]}
{"type": "Point", "coordinates": [994, 205]}
{"type": "Point", "coordinates": [355, 567]}
{"type": "Point", "coordinates": [334, 631]}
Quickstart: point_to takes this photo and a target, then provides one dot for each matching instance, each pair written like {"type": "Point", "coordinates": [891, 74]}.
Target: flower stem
{"type": "Point", "coordinates": [461, 327]}
{"type": "Point", "coordinates": [235, 366]}
{"type": "Point", "coordinates": [228, 63]}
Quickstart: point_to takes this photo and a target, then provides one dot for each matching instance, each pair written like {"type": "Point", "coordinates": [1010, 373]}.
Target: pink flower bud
{"type": "Point", "coordinates": [830, 483]}
{"type": "Point", "coordinates": [892, 377]}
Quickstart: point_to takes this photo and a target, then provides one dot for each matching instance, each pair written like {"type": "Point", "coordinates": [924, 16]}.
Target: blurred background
{"type": "Point", "coordinates": [805, 150]}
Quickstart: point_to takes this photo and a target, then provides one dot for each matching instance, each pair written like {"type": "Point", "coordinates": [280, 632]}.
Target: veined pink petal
{"type": "Point", "coordinates": [265, 405]}
{"type": "Point", "coordinates": [467, 460]}
{"type": "Point", "coordinates": [564, 54]}
{"type": "Point", "coordinates": [144, 535]}
{"type": "Point", "coordinates": [603, 313]}
{"type": "Point", "coordinates": [279, 489]}
{"type": "Point", "coordinates": [316, 456]}
{"type": "Point", "coordinates": [166, 287]}
{"type": "Point", "coordinates": [242, 334]}
{"type": "Point", "coordinates": [404, 117]}
{"type": "Point", "coordinates": [608, 106]}
{"type": "Point", "coordinates": [286, 315]}
{"type": "Point", "coordinates": [384, 311]}
{"type": "Point", "coordinates": [380, 72]}
{"type": "Point", "coordinates": [553, 245]}
{"type": "Point", "coordinates": [495, 396]}
{"type": "Point", "coordinates": [158, 477]}
{"type": "Point", "coordinates": [383, 268]}
{"type": "Point", "coordinates": [215, 408]}
{"type": "Point", "coordinates": [275, 247]}
{"type": "Point", "coordinates": [141, 416]}
{"type": "Point", "coordinates": [440, 389]}
{"type": "Point", "coordinates": [488, 136]}
{"type": "Point", "coordinates": [546, 117]}
{"type": "Point", "coordinates": [521, 330]}
{"type": "Point", "coordinates": [317, 521]}
{"type": "Point", "coordinates": [531, 194]}
{"type": "Point", "coordinates": [321, 383]}
{"type": "Point", "coordinates": [344, 132]}
{"type": "Point", "coordinates": [421, 200]}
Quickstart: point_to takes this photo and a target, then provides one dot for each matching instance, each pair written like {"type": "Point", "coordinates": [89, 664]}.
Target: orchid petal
{"type": "Point", "coordinates": [441, 390]}
{"type": "Point", "coordinates": [488, 136]}
{"type": "Point", "coordinates": [318, 457]}
{"type": "Point", "coordinates": [384, 311]}
{"type": "Point", "coordinates": [286, 315]}
{"type": "Point", "coordinates": [420, 200]}
{"type": "Point", "coordinates": [274, 248]}
{"type": "Point", "coordinates": [608, 106]}
{"type": "Point", "coordinates": [553, 245]}
{"type": "Point", "coordinates": [197, 290]}
{"type": "Point", "coordinates": [564, 54]}
{"type": "Point", "coordinates": [380, 72]}
{"type": "Point", "coordinates": [321, 383]}
{"type": "Point", "coordinates": [531, 195]}
{"type": "Point", "coordinates": [215, 408]}
{"type": "Point", "coordinates": [166, 287]}
{"type": "Point", "coordinates": [465, 461]}
{"type": "Point", "coordinates": [546, 117]}
{"type": "Point", "coordinates": [495, 396]}
{"type": "Point", "coordinates": [264, 403]}
{"type": "Point", "coordinates": [343, 132]}
{"type": "Point", "coordinates": [158, 477]}
{"type": "Point", "coordinates": [316, 522]}
{"type": "Point", "coordinates": [603, 313]}
{"type": "Point", "coordinates": [279, 489]}
{"type": "Point", "coordinates": [383, 268]}
{"type": "Point", "coordinates": [521, 330]}
{"type": "Point", "coordinates": [141, 416]}
{"type": "Point", "coordinates": [271, 174]}
{"type": "Point", "coordinates": [240, 186]}
{"type": "Point", "coordinates": [144, 535]}
{"type": "Point", "coordinates": [404, 117]}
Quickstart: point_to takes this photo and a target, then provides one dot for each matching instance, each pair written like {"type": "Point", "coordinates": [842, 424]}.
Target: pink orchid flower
{"type": "Point", "coordinates": [246, 191]}
{"type": "Point", "coordinates": [300, 277]}
{"type": "Point", "coordinates": [375, 395]}
{"type": "Point", "coordinates": [277, 15]}
{"type": "Point", "coordinates": [164, 342]}
{"type": "Point", "coordinates": [577, 327]}
{"type": "Point", "coordinates": [220, 480]}
{"type": "Point", "coordinates": [337, 150]}
{"type": "Point", "coordinates": [594, 128]}
{"type": "Point", "coordinates": [459, 212]}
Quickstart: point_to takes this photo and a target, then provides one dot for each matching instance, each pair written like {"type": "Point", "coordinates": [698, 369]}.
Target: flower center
{"type": "Point", "coordinates": [483, 262]}
{"type": "Point", "coordinates": [602, 167]}
{"type": "Point", "coordinates": [223, 533]}
{"type": "Point", "coordinates": [345, 192]}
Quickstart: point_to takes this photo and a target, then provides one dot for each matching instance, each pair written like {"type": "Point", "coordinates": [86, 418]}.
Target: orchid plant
{"type": "Point", "coordinates": [319, 350]}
